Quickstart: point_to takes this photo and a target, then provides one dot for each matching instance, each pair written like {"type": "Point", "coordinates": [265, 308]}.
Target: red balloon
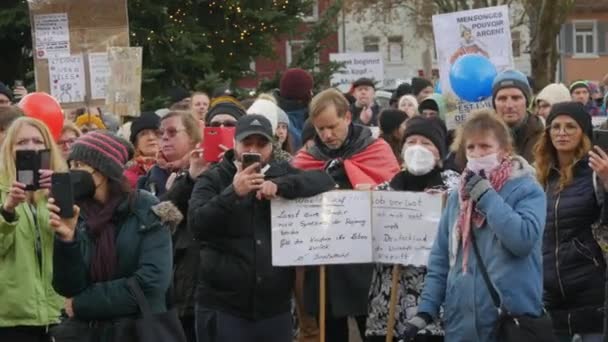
{"type": "Point", "coordinates": [45, 108]}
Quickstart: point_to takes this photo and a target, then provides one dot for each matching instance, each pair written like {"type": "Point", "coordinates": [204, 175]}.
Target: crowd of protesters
{"type": "Point", "coordinates": [525, 185]}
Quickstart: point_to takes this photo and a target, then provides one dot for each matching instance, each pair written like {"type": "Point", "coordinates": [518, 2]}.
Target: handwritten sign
{"type": "Point", "coordinates": [357, 65]}
{"type": "Point", "coordinates": [404, 226]}
{"type": "Point", "coordinates": [52, 35]}
{"type": "Point", "coordinates": [66, 75]}
{"type": "Point", "coordinates": [331, 228]}
{"type": "Point", "coordinates": [124, 87]}
{"type": "Point", "coordinates": [99, 71]}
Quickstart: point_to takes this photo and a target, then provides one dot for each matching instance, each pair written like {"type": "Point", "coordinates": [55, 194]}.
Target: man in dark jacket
{"type": "Point", "coordinates": [511, 95]}
{"type": "Point", "coordinates": [240, 295]}
{"type": "Point", "coordinates": [294, 96]}
{"type": "Point", "coordinates": [365, 110]}
{"type": "Point", "coordinates": [354, 159]}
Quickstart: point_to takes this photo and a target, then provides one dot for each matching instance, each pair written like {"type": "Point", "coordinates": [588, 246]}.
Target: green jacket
{"type": "Point", "coordinates": [143, 247]}
{"type": "Point", "coordinates": [26, 294]}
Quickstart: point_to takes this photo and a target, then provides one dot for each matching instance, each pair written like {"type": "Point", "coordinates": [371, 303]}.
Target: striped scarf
{"type": "Point", "coordinates": [468, 214]}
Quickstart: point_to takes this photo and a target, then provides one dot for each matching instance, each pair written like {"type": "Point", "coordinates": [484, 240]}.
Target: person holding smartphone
{"type": "Point", "coordinates": [29, 303]}
{"type": "Point", "coordinates": [240, 295]}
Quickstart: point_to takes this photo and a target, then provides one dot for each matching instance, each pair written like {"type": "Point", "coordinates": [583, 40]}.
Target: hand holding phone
{"type": "Point", "coordinates": [62, 192]}
{"type": "Point", "coordinates": [27, 162]}
{"type": "Point", "coordinates": [600, 138]}
{"type": "Point", "coordinates": [215, 142]}
{"type": "Point", "coordinates": [252, 158]}
{"type": "Point", "coordinates": [248, 177]}
{"type": "Point", "coordinates": [16, 196]}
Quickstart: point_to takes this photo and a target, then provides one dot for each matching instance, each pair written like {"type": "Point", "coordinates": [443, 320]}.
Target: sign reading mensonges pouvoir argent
{"type": "Point", "coordinates": [404, 226]}
{"type": "Point", "coordinates": [357, 65]}
{"type": "Point", "coordinates": [330, 228]}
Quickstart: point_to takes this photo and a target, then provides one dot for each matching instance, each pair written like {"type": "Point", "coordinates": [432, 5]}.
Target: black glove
{"type": "Point", "coordinates": [417, 323]}
{"type": "Point", "coordinates": [409, 332]}
{"type": "Point", "coordinates": [476, 186]}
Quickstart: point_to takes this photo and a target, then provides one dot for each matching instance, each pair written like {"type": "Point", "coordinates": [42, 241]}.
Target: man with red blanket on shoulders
{"type": "Point", "coordinates": [354, 159]}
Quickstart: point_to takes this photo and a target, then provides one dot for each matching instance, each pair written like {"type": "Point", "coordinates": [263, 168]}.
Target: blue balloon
{"type": "Point", "coordinates": [471, 77]}
{"type": "Point", "coordinates": [438, 87]}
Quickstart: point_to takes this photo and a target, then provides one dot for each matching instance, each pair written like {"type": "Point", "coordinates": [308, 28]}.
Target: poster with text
{"type": "Point", "coordinates": [123, 95]}
{"type": "Point", "coordinates": [67, 78]}
{"type": "Point", "coordinates": [99, 73]}
{"type": "Point", "coordinates": [404, 226]}
{"type": "Point", "coordinates": [52, 35]}
{"type": "Point", "coordinates": [357, 65]}
{"type": "Point", "coordinates": [330, 228]}
{"type": "Point", "coordinates": [484, 31]}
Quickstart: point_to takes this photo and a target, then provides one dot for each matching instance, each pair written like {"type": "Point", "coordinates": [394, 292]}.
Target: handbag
{"type": "Point", "coordinates": [153, 327]}
{"type": "Point", "coordinates": [514, 328]}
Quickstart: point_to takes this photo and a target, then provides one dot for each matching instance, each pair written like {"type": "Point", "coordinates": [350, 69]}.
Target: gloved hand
{"type": "Point", "coordinates": [476, 186]}
{"type": "Point", "coordinates": [409, 332]}
{"type": "Point", "coordinates": [414, 325]}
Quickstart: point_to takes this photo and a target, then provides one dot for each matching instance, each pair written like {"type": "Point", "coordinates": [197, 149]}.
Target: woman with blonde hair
{"type": "Point", "coordinates": [409, 105]}
{"type": "Point", "coordinates": [575, 177]}
{"type": "Point", "coordinates": [29, 303]}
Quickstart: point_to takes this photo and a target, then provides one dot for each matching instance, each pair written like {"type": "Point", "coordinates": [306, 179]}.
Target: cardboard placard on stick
{"type": "Point", "coordinates": [123, 93]}
{"type": "Point", "coordinates": [92, 26]}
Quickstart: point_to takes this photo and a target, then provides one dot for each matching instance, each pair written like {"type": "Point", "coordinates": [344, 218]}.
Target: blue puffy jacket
{"type": "Point", "coordinates": [510, 245]}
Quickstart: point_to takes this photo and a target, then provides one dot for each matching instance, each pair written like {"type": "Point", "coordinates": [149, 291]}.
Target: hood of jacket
{"type": "Point", "coordinates": [439, 101]}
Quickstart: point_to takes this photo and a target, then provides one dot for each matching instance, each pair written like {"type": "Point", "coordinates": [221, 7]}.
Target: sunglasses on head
{"type": "Point", "coordinates": [223, 123]}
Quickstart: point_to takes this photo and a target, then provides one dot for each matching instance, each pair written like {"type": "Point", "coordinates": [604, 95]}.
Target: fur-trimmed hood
{"type": "Point", "coordinates": [168, 214]}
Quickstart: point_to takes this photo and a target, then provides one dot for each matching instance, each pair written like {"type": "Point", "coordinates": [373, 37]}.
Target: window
{"type": "Point", "coordinates": [311, 13]}
{"type": "Point", "coordinates": [371, 44]}
{"type": "Point", "coordinates": [395, 49]}
{"type": "Point", "coordinates": [516, 43]}
{"type": "Point", "coordinates": [293, 47]}
{"type": "Point", "coordinates": [585, 38]}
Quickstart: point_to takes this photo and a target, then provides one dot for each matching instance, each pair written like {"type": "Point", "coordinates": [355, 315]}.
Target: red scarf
{"type": "Point", "coordinates": [468, 214]}
{"type": "Point", "coordinates": [145, 163]}
{"type": "Point", "coordinates": [373, 165]}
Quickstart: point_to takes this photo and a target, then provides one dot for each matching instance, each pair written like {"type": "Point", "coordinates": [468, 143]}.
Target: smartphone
{"type": "Point", "coordinates": [45, 159]}
{"type": "Point", "coordinates": [63, 193]}
{"type": "Point", "coordinates": [18, 83]}
{"type": "Point", "coordinates": [600, 138]}
{"type": "Point", "coordinates": [250, 159]}
{"type": "Point", "coordinates": [27, 163]}
{"type": "Point", "coordinates": [213, 137]}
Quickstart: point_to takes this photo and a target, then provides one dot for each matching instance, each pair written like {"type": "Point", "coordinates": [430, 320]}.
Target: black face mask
{"type": "Point", "coordinates": [83, 184]}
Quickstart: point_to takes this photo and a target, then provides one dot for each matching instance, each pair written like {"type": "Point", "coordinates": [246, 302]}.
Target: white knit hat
{"type": "Point", "coordinates": [554, 93]}
{"type": "Point", "coordinates": [267, 109]}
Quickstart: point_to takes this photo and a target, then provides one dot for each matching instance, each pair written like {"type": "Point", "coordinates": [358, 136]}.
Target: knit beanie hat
{"type": "Point", "coordinates": [103, 151]}
{"type": "Point", "coordinates": [391, 119]}
{"type": "Point", "coordinates": [410, 98]}
{"type": "Point", "coordinates": [147, 120]}
{"type": "Point", "coordinates": [4, 90]}
{"type": "Point", "coordinates": [177, 94]}
{"type": "Point", "coordinates": [282, 117]}
{"type": "Point", "coordinates": [431, 129]}
{"type": "Point", "coordinates": [554, 93]}
{"type": "Point", "coordinates": [579, 84]}
{"type": "Point", "coordinates": [418, 84]}
{"type": "Point", "coordinates": [402, 89]}
{"type": "Point", "coordinates": [511, 79]}
{"type": "Point", "coordinates": [227, 107]}
{"type": "Point", "coordinates": [296, 84]}
{"type": "Point", "coordinates": [267, 109]}
{"type": "Point", "coordinates": [308, 131]}
{"type": "Point", "coordinates": [428, 103]}
{"type": "Point", "coordinates": [576, 111]}
{"type": "Point", "coordinates": [111, 122]}
{"type": "Point", "coordinates": [89, 119]}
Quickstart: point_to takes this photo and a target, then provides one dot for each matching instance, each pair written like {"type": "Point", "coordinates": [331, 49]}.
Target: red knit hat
{"type": "Point", "coordinates": [296, 84]}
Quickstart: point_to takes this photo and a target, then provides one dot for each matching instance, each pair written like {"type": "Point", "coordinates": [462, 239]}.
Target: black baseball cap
{"type": "Point", "coordinates": [253, 124]}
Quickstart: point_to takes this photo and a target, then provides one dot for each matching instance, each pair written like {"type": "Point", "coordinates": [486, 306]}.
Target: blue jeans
{"type": "Point", "coordinates": [218, 326]}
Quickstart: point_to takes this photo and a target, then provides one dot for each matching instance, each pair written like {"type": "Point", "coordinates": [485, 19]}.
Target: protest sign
{"type": "Point", "coordinates": [124, 88]}
{"type": "Point", "coordinates": [485, 32]}
{"type": "Point", "coordinates": [99, 70]}
{"type": "Point", "coordinates": [330, 228]}
{"type": "Point", "coordinates": [404, 226]}
{"type": "Point", "coordinates": [67, 78]}
{"type": "Point", "coordinates": [357, 65]}
{"type": "Point", "coordinates": [67, 28]}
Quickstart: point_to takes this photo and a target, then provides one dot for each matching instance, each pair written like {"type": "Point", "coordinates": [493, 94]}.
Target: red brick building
{"type": "Point", "coordinates": [285, 47]}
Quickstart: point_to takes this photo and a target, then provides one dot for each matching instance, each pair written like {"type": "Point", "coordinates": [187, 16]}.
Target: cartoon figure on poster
{"type": "Point", "coordinates": [472, 48]}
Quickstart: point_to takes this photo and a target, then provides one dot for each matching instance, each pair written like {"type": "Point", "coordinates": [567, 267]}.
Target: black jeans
{"type": "Point", "coordinates": [337, 328]}
{"type": "Point", "coordinates": [218, 326]}
{"type": "Point", "coordinates": [24, 334]}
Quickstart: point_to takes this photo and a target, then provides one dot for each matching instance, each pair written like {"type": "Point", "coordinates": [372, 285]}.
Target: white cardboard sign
{"type": "Point", "coordinates": [357, 65]}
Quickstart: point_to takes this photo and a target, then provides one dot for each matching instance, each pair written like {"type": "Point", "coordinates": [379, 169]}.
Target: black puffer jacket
{"type": "Point", "coordinates": [573, 263]}
{"type": "Point", "coordinates": [236, 273]}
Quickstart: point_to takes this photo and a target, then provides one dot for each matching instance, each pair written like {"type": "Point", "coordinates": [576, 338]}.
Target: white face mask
{"type": "Point", "coordinates": [486, 163]}
{"type": "Point", "coordinates": [418, 160]}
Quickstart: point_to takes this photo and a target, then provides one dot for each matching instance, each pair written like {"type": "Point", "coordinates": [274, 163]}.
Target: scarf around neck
{"type": "Point", "coordinates": [468, 214]}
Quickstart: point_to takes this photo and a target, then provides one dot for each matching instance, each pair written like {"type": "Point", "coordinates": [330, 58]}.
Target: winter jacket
{"type": "Point", "coordinates": [26, 267]}
{"type": "Point", "coordinates": [143, 248]}
{"type": "Point", "coordinates": [347, 285]}
{"type": "Point", "coordinates": [185, 248]}
{"type": "Point", "coordinates": [297, 113]}
{"type": "Point", "coordinates": [573, 263]}
{"type": "Point", "coordinates": [356, 113]}
{"type": "Point", "coordinates": [154, 181]}
{"type": "Point", "coordinates": [526, 135]}
{"type": "Point", "coordinates": [236, 273]}
{"type": "Point", "coordinates": [510, 246]}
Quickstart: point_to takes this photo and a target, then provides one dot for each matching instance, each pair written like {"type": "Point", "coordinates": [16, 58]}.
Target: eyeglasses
{"type": "Point", "coordinates": [171, 132]}
{"type": "Point", "coordinates": [67, 142]}
{"type": "Point", "coordinates": [223, 123]}
{"type": "Point", "coordinates": [568, 128]}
